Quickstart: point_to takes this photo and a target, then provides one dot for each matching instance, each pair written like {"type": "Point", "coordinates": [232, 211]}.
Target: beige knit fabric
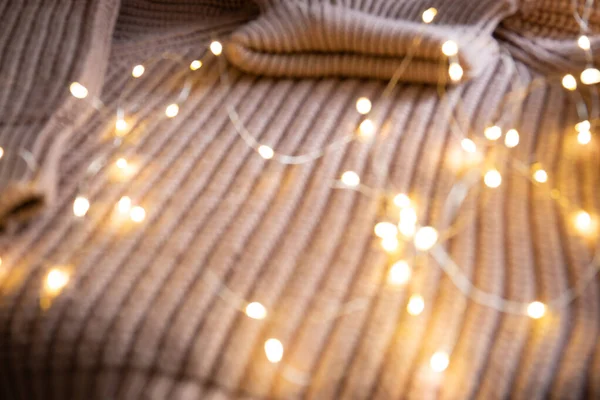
{"type": "Point", "coordinates": [142, 316]}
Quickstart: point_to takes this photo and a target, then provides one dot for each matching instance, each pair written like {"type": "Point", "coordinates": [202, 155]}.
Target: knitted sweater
{"type": "Point", "coordinates": [152, 310]}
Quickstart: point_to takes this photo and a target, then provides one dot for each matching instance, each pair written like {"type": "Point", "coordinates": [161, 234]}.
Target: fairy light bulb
{"type": "Point", "coordinates": [255, 310]}
{"type": "Point", "coordinates": [172, 110]}
{"type": "Point", "coordinates": [399, 273]}
{"type": "Point", "coordinates": [536, 310]}
{"type": "Point", "coordinates": [121, 125]}
{"type": "Point", "coordinates": [1, 152]}
{"type": "Point", "coordinates": [274, 350]}
{"type": "Point", "coordinates": [366, 128]}
{"type": "Point", "coordinates": [569, 82]}
{"type": "Point", "coordinates": [583, 42]}
{"type": "Point", "coordinates": [266, 152]}
{"type": "Point", "coordinates": [439, 361]}
{"type": "Point", "coordinates": [195, 65]}
{"type": "Point", "coordinates": [511, 139]}
{"type": "Point", "coordinates": [401, 200]}
{"type": "Point", "coordinates": [363, 105]}
{"type": "Point", "coordinates": [590, 76]}
{"type": "Point", "coordinates": [124, 204]}
{"type": "Point", "coordinates": [455, 71]}
{"type": "Point", "coordinates": [385, 229]}
{"type": "Point", "coordinates": [121, 163]}
{"type": "Point", "coordinates": [583, 221]}
{"type": "Point", "coordinates": [583, 126]}
{"type": "Point", "coordinates": [138, 71]}
{"type": "Point", "coordinates": [350, 179]}
{"type": "Point", "coordinates": [137, 214]}
{"type": "Point", "coordinates": [541, 176]}
{"type": "Point", "coordinates": [429, 15]}
{"type": "Point", "coordinates": [56, 280]}
{"type": "Point", "coordinates": [468, 145]}
{"type": "Point", "coordinates": [216, 48]}
{"type": "Point", "coordinates": [450, 48]}
{"type": "Point", "coordinates": [81, 205]}
{"type": "Point", "coordinates": [584, 137]}
{"type": "Point", "coordinates": [390, 244]}
{"type": "Point", "coordinates": [408, 222]}
{"type": "Point", "coordinates": [492, 178]}
{"type": "Point", "coordinates": [415, 305]}
{"type": "Point", "coordinates": [492, 132]}
{"type": "Point", "coordinates": [78, 90]}
{"type": "Point", "coordinates": [425, 238]}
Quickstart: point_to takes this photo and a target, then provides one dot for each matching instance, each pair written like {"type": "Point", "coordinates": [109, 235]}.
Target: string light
{"type": "Point", "coordinates": [539, 175]}
{"type": "Point", "coordinates": [583, 221]}
{"type": "Point", "coordinates": [492, 132]}
{"type": "Point", "coordinates": [137, 214]}
{"type": "Point", "coordinates": [366, 128]}
{"type": "Point", "coordinates": [255, 310]}
{"type": "Point", "coordinates": [138, 71]}
{"type": "Point", "coordinates": [266, 152]}
{"type": "Point", "coordinates": [78, 90]}
{"type": "Point", "coordinates": [439, 361]}
{"type": "Point", "coordinates": [121, 125]}
{"type": "Point", "coordinates": [401, 200]}
{"type": "Point", "coordinates": [1, 152]}
{"type": "Point", "coordinates": [584, 137]}
{"type": "Point", "coordinates": [81, 205]}
{"type": "Point", "coordinates": [468, 145]}
{"type": "Point", "coordinates": [429, 15]}
{"type": "Point", "coordinates": [492, 178]}
{"type": "Point", "coordinates": [399, 273]}
{"type": "Point", "coordinates": [390, 244]}
{"type": "Point", "coordinates": [216, 48]}
{"type": "Point", "coordinates": [455, 71]}
{"type": "Point", "coordinates": [583, 42]}
{"type": "Point", "coordinates": [450, 48]}
{"type": "Point", "coordinates": [583, 126]}
{"type": "Point", "coordinates": [408, 221]}
{"type": "Point", "coordinates": [172, 110]}
{"type": "Point", "coordinates": [590, 76]}
{"type": "Point", "coordinates": [196, 64]}
{"type": "Point", "coordinates": [536, 310]}
{"type": "Point", "coordinates": [512, 138]}
{"type": "Point", "coordinates": [425, 238]}
{"type": "Point", "coordinates": [56, 280]}
{"type": "Point", "coordinates": [385, 229]}
{"type": "Point", "coordinates": [124, 204]}
{"type": "Point", "coordinates": [363, 105]}
{"type": "Point", "coordinates": [416, 305]}
{"type": "Point", "coordinates": [274, 350]}
{"type": "Point", "coordinates": [350, 179]}
{"type": "Point", "coordinates": [569, 82]}
{"type": "Point", "coordinates": [121, 163]}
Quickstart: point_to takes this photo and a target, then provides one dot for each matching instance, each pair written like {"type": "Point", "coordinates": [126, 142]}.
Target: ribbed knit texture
{"type": "Point", "coordinates": [141, 316]}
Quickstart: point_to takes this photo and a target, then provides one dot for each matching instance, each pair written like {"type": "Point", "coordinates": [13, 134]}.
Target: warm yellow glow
{"type": "Point", "coordinates": [540, 176]}
{"type": "Point", "coordinates": [366, 128]}
{"type": "Point", "coordinates": [266, 152]}
{"type": "Point", "coordinates": [590, 76]}
{"type": "Point", "coordinates": [196, 64]}
{"type": "Point", "coordinates": [569, 82]}
{"type": "Point", "coordinates": [450, 48]}
{"type": "Point", "coordinates": [138, 71]}
{"type": "Point", "coordinates": [1, 152]}
{"type": "Point", "coordinates": [385, 229]}
{"type": "Point", "coordinates": [399, 273]}
{"type": "Point", "coordinates": [429, 15]}
{"type": "Point", "coordinates": [172, 110]}
{"type": "Point", "coordinates": [216, 48]}
{"type": "Point", "coordinates": [56, 280]}
{"type": "Point", "coordinates": [124, 204]}
{"type": "Point", "coordinates": [455, 71]}
{"type": "Point", "coordinates": [492, 132]}
{"type": "Point", "coordinates": [583, 221]}
{"type": "Point", "coordinates": [256, 310]}
{"type": "Point", "coordinates": [137, 214]}
{"type": "Point", "coordinates": [351, 179]}
{"type": "Point", "coordinates": [439, 361]}
{"type": "Point", "coordinates": [583, 42]}
{"type": "Point", "coordinates": [468, 145]}
{"type": "Point", "coordinates": [78, 90]}
{"type": "Point", "coordinates": [512, 138]}
{"type": "Point", "coordinates": [584, 137]}
{"type": "Point", "coordinates": [416, 304]}
{"type": "Point", "coordinates": [121, 163]}
{"type": "Point", "coordinates": [425, 238]}
{"type": "Point", "coordinates": [390, 244]}
{"type": "Point", "coordinates": [583, 126]}
{"type": "Point", "coordinates": [536, 310]}
{"type": "Point", "coordinates": [401, 200]}
{"type": "Point", "coordinates": [408, 222]}
{"type": "Point", "coordinates": [120, 125]}
{"type": "Point", "coordinates": [274, 350]}
{"type": "Point", "coordinates": [81, 205]}
{"type": "Point", "coordinates": [492, 178]}
{"type": "Point", "coordinates": [363, 105]}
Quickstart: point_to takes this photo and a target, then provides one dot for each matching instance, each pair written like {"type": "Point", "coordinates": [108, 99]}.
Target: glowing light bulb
{"type": "Point", "coordinates": [408, 222]}
{"type": "Point", "coordinates": [81, 205]}
{"type": "Point", "coordinates": [583, 126]}
{"type": "Point", "coordinates": [583, 221]}
{"type": "Point", "coordinates": [399, 273]}
{"type": "Point", "coordinates": [216, 48]}
{"type": "Point", "coordinates": [172, 110]}
{"type": "Point", "coordinates": [429, 15]}
{"type": "Point", "coordinates": [540, 176]}
{"type": "Point", "coordinates": [468, 145]}
{"type": "Point", "coordinates": [363, 105]}
{"type": "Point", "coordinates": [584, 137]}
{"type": "Point", "coordinates": [124, 204]}
{"type": "Point", "coordinates": [455, 71]}
{"type": "Point", "coordinates": [350, 179]}
{"type": "Point", "coordinates": [416, 305]}
{"type": "Point", "coordinates": [390, 244]}
{"type": "Point", "coordinates": [1, 152]}
{"type": "Point", "coordinates": [385, 229]}
{"type": "Point", "coordinates": [569, 82]}
{"type": "Point", "coordinates": [512, 138]}
{"type": "Point", "coordinates": [266, 152]}
{"type": "Point", "coordinates": [492, 178]}
{"type": "Point", "coordinates": [450, 48]}
{"type": "Point", "coordinates": [536, 310]}
{"type": "Point", "coordinates": [56, 280]}
{"type": "Point", "coordinates": [196, 64]}
{"type": "Point", "coordinates": [137, 214]}
{"type": "Point", "coordinates": [121, 163]}
{"type": "Point", "coordinates": [439, 361]}
{"type": "Point", "coordinates": [590, 76]}
{"type": "Point", "coordinates": [583, 42]}
{"type": "Point", "coordinates": [255, 310]}
{"type": "Point", "coordinates": [492, 132]}
{"type": "Point", "coordinates": [274, 350]}
{"type": "Point", "coordinates": [138, 71]}
{"type": "Point", "coordinates": [78, 90]}
{"type": "Point", "coordinates": [425, 238]}
{"type": "Point", "coordinates": [366, 128]}
{"type": "Point", "coordinates": [120, 125]}
{"type": "Point", "coordinates": [401, 200]}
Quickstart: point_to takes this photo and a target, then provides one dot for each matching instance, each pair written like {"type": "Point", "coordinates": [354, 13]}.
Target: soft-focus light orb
{"type": "Point", "coordinates": [425, 238]}
{"type": "Point", "coordinates": [1, 152]}
{"type": "Point", "coordinates": [121, 125]}
{"type": "Point", "coordinates": [590, 76]}
{"type": "Point", "coordinates": [266, 152]}
{"type": "Point", "coordinates": [492, 178]}
{"type": "Point", "coordinates": [216, 48]}
{"type": "Point", "coordinates": [536, 310]}
{"type": "Point", "coordinates": [137, 214]}
{"type": "Point", "coordinates": [274, 350]}
{"type": "Point", "coordinates": [138, 71]}
{"type": "Point", "coordinates": [385, 229]}
{"type": "Point", "coordinates": [415, 305]}
{"type": "Point", "coordinates": [511, 139]}
{"type": "Point", "coordinates": [455, 71]}
{"type": "Point", "coordinates": [78, 90]}
{"type": "Point", "coordinates": [569, 82]}
{"type": "Point", "coordinates": [583, 126]}
{"type": "Point", "coordinates": [390, 244]}
{"type": "Point", "coordinates": [366, 128]}
{"type": "Point", "coordinates": [450, 48]}
{"type": "Point", "coordinates": [350, 179]}
{"type": "Point", "coordinates": [121, 163]}
{"type": "Point", "coordinates": [399, 273]}
{"type": "Point", "coordinates": [56, 280]}
{"type": "Point", "coordinates": [583, 42]}
{"type": "Point", "coordinates": [363, 105]}
{"type": "Point", "coordinates": [439, 361]}
{"type": "Point", "coordinates": [492, 132]}
{"type": "Point", "coordinates": [81, 205]}
{"type": "Point", "coordinates": [468, 145]}
{"type": "Point", "coordinates": [583, 221]}
{"type": "Point", "coordinates": [196, 64]}
{"type": "Point", "coordinates": [401, 200]}
{"type": "Point", "coordinates": [540, 176]}
{"type": "Point", "coordinates": [124, 204]}
{"type": "Point", "coordinates": [584, 137]}
{"type": "Point", "coordinates": [172, 110]}
{"type": "Point", "coordinates": [408, 222]}
{"type": "Point", "coordinates": [255, 310]}
{"type": "Point", "coordinates": [429, 15]}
